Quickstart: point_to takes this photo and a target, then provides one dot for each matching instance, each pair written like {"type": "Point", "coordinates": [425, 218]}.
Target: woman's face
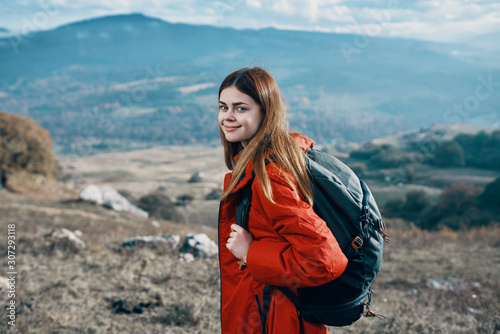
{"type": "Point", "coordinates": [239, 115]}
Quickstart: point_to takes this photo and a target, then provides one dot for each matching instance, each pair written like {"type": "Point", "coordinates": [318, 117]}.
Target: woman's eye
{"type": "Point", "coordinates": [222, 107]}
{"type": "Point", "coordinates": [241, 109]}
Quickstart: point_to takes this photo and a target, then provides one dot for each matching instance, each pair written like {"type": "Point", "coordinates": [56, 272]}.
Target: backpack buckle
{"type": "Point", "coordinates": [357, 243]}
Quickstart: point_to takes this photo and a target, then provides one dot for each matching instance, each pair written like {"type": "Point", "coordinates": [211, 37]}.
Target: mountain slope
{"type": "Point", "coordinates": [337, 85]}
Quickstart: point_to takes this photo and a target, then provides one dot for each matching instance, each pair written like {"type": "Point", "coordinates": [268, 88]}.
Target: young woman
{"type": "Point", "coordinates": [286, 244]}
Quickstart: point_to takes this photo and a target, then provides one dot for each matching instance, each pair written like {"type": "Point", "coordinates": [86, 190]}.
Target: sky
{"type": "Point", "coordinates": [455, 21]}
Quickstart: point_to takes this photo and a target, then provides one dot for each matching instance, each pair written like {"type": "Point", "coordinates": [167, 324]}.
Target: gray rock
{"type": "Point", "coordinates": [109, 197]}
{"type": "Point", "coordinates": [452, 284]}
{"type": "Point", "coordinates": [199, 244]}
{"type": "Point", "coordinates": [171, 240]}
{"type": "Point", "coordinates": [64, 239]}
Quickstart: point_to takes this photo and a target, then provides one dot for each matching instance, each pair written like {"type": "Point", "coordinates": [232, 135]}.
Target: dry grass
{"type": "Point", "coordinates": [412, 259]}
{"type": "Point", "coordinates": [142, 172]}
{"type": "Point", "coordinates": [60, 291]}
{"type": "Point", "coordinates": [65, 292]}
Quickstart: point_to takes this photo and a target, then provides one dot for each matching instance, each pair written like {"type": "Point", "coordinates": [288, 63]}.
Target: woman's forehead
{"type": "Point", "coordinates": [234, 95]}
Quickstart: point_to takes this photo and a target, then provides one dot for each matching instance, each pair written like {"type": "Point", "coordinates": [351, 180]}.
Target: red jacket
{"type": "Point", "coordinates": [292, 247]}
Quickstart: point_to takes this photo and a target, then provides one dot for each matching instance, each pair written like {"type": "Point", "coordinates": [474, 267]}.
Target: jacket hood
{"type": "Point", "coordinates": [304, 141]}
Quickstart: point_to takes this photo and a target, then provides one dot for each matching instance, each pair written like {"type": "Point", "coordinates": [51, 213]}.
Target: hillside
{"type": "Point", "coordinates": [438, 132]}
{"type": "Point", "coordinates": [119, 81]}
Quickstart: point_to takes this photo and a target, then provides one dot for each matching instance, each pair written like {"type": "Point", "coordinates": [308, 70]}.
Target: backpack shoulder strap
{"type": "Point", "coordinates": [243, 207]}
{"type": "Point", "coordinates": [246, 198]}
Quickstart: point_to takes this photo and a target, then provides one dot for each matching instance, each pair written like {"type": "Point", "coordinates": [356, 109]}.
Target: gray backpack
{"type": "Point", "coordinates": [350, 211]}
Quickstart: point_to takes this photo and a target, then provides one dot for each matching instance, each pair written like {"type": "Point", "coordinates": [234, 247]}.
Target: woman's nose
{"type": "Point", "coordinates": [229, 115]}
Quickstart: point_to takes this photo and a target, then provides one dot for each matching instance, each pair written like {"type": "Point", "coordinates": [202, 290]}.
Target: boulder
{"type": "Point", "coordinates": [199, 244]}
{"type": "Point", "coordinates": [171, 240]}
{"type": "Point", "coordinates": [109, 197]}
{"type": "Point", "coordinates": [64, 239]}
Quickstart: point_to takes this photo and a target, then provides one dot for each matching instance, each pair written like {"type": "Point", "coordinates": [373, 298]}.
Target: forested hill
{"type": "Point", "coordinates": [134, 78]}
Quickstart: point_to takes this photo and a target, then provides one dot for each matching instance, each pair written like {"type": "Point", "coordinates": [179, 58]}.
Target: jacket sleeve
{"type": "Point", "coordinates": [305, 253]}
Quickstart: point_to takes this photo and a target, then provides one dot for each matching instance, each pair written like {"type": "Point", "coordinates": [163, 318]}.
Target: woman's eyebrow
{"type": "Point", "coordinates": [234, 104]}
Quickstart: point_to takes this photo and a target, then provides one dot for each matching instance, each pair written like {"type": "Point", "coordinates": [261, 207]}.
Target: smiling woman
{"type": "Point", "coordinates": [285, 242]}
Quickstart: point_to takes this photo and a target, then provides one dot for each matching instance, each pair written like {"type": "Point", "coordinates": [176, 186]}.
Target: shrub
{"type": "Point", "coordinates": [184, 200]}
{"type": "Point", "coordinates": [387, 157]}
{"type": "Point", "coordinates": [24, 145]}
{"type": "Point", "coordinates": [196, 178]}
{"type": "Point", "coordinates": [416, 201]}
{"type": "Point", "coordinates": [481, 150]}
{"type": "Point", "coordinates": [366, 152]}
{"type": "Point", "coordinates": [456, 209]}
{"type": "Point", "coordinates": [458, 198]}
{"type": "Point", "coordinates": [358, 168]}
{"type": "Point", "coordinates": [159, 206]}
{"type": "Point", "coordinates": [393, 207]}
{"type": "Point", "coordinates": [181, 315]}
{"type": "Point", "coordinates": [213, 195]}
{"type": "Point", "coordinates": [490, 197]}
{"type": "Point", "coordinates": [449, 154]}
{"type": "Point", "coordinates": [473, 217]}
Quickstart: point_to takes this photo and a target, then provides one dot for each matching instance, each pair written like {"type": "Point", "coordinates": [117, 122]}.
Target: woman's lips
{"type": "Point", "coordinates": [230, 128]}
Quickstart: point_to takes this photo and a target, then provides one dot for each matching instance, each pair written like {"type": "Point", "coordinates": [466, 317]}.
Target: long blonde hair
{"type": "Point", "coordinates": [273, 136]}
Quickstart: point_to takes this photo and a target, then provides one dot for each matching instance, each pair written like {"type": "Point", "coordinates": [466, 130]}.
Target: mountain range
{"type": "Point", "coordinates": [131, 77]}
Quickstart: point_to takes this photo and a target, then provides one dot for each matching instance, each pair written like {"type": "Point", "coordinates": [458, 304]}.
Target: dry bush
{"type": "Point", "coordinates": [159, 206]}
{"type": "Point", "coordinates": [458, 198]}
{"type": "Point", "coordinates": [25, 145]}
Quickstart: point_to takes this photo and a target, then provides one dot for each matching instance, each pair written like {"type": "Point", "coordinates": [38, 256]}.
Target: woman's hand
{"type": "Point", "coordinates": [239, 241]}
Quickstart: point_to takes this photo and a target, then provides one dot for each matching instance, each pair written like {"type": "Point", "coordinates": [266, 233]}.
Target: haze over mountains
{"type": "Point", "coordinates": [136, 78]}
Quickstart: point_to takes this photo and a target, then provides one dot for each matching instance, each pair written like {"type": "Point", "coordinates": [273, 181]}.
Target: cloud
{"type": "Point", "coordinates": [254, 4]}
{"type": "Point", "coordinates": [313, 10]}
{"type": "Point", "coordinates": [445, 20]}
{"type": "Point", "coordinates": [284, 7]}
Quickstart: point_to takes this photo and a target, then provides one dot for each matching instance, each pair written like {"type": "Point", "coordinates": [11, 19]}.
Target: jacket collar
{"type": "Point", "coordinates": [245, 177]}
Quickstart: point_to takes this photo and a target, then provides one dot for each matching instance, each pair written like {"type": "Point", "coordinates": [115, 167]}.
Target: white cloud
{"type": "Point", "coordinates": [313, 10]}
{"type": "Point", "coordinates": [337, 14]}
{"type": "Point", "coordinates": [254, 4]}
{"type": "Point", "coordinates": [284, 7]}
